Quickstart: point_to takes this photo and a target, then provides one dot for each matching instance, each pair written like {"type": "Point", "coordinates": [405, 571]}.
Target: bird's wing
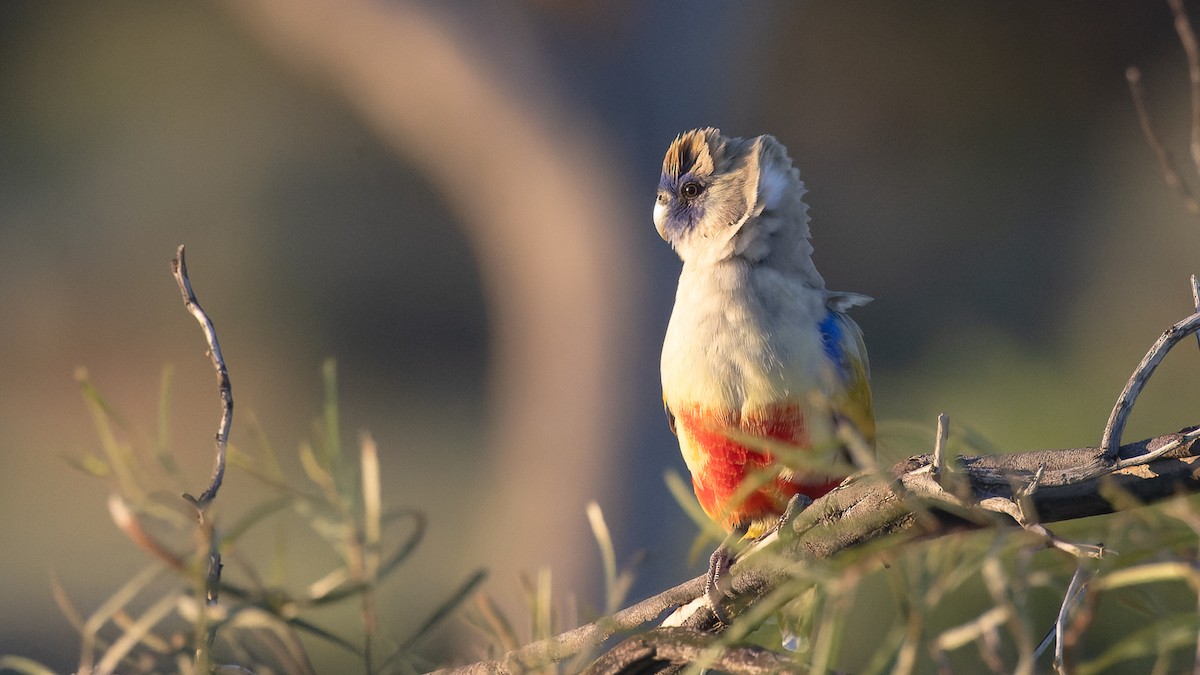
{"type": "Point", "coordinates": [841, 301]}
{"type": "Point", "coordinates": [842, 340]}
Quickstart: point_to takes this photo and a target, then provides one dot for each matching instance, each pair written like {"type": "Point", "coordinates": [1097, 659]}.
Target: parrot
{"type": "Point", "coordinates": [758, 355]}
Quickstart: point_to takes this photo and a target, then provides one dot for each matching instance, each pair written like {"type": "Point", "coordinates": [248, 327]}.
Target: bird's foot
{"type": "Point", "coordinates": [795, 506]}
{"type": "Point", "coordinates": [716, 584]}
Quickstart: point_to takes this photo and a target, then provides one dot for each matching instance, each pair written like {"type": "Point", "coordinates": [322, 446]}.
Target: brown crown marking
{"type": "Point", "coordinates": [692, 152]}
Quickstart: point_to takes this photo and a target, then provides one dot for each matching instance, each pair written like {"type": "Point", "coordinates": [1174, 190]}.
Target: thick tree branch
{"type": "Point", "coordinates": [912, 505]}
{"type": "Point", "coordinates": [664, 648]}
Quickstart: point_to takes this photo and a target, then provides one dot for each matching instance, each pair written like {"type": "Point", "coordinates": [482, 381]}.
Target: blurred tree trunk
{"type": "Point", "coordinates": [543, 207]}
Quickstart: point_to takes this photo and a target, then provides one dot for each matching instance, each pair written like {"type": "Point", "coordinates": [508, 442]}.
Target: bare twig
{"type": "Point", "coordinates": [1021, 510]}
{"type": "Point", "coordinates": [1111, 440]}
{"type": "Point", "coordinates": [1012, 509]}
{"type": "Point", "coordinates": [213, 565]}
{"type": "Point", "coordinates": [179, 270]}
{"type": "Point", "coordinates": [939, 446]}
{"type": "Point", "coordinates": [1169, 444]}
{"type": "Point", "coordinates": [1170, 173]}
{"type": "Point", "coordinates": [1124, 406]}
{"type": "Point", "coordinates": [1187, 37]}
{"type": "Point", "coordinates": [1195, 283]}
{"type": "Point", "coordinates": [1074, 595]}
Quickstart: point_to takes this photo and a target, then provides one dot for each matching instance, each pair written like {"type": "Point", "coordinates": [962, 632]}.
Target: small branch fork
{"type": "Point", "coordinates": [1019, 510]}
{"type": "Point", "coordinates": [1111, 440]}
{"type": "Point", "coordinates": [213, 565]}
{"type": "Point", "coordinates": [1071, 599]}
{"type": "Point", "coordinates": [1020, 506]}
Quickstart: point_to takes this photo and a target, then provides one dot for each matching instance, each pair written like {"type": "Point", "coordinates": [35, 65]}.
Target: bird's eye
{"type": "Point", "coordinates": [691, 190]}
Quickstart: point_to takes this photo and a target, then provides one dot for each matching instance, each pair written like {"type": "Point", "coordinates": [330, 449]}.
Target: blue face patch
{"type": "Point", "coordinates": [682, 214]}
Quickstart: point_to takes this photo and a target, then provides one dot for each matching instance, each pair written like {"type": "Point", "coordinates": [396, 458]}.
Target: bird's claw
{"type": "Point", "coordinates": [795, 506]}
{"type": "Point", "coordinates": [716, 583]}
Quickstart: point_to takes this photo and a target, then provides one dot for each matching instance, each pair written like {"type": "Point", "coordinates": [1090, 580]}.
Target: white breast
{"type": "Point", "coordinates": [742, 337]}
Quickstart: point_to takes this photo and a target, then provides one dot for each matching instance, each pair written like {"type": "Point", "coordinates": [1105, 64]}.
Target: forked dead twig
{"type": "Point", "coordinates": [213, 565]}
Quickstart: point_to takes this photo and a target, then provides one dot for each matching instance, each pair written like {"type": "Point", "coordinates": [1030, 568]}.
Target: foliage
{"type": "Point", "coordinates": [158, 621]}
{"type": "Point", "coordinates": [985, 601]}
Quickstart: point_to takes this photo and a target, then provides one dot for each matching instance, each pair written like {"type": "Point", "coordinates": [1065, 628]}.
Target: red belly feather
{"type": "Point", "coordinates": [730, 463]}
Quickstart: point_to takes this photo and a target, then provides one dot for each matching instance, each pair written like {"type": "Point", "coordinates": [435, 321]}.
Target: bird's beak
{"type": "Point", "coordinates": [660, 217]}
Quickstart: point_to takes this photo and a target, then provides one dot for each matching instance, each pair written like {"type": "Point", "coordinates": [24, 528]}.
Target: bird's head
{"type": "Point", "coordinates": [721, 197]}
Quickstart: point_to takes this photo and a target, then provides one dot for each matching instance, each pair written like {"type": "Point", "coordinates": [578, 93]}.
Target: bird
{"type": "Point", "coordinates": [759, 358]}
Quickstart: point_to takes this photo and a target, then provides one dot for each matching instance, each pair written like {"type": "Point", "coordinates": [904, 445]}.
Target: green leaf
{"type": "Point", "coordinates": [372, 500]}
{"type": "Point", "coordinates": [410, 545]}
{"type": "Point", "coordinates": [710, 532]}
{"type": "Point", "coordinates": [1173, 632]}
{"type": "Point", "coordinates": [442, 612]}
{"type": "Point", "coordinates": [23, 665]}
{"type": "Point", "coordinates": [162, 440]}
{"type": "Point", "coordinates": [256, 515]}
{"type": "Point", "coordinates": [120, 457]}
{"type": "Point", "coordinates": [89, 464]}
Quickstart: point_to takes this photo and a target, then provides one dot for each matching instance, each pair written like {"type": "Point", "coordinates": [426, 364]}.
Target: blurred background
{"type": "Point", "coordinates": [453, 200]}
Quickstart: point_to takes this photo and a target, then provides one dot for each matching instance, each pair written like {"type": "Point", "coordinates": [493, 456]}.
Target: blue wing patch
{"type": "Point", "coordinates": [832, 335]}
{"type": "Point", "coordinates": [842, 342]}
